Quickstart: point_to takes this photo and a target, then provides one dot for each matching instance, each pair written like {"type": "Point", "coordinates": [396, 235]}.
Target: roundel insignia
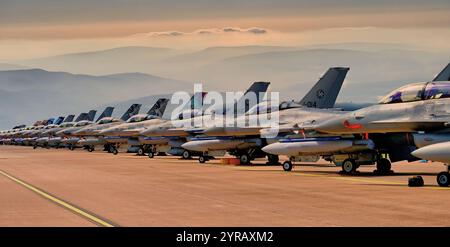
{"type": "Point", "coordinates": [320, 93]}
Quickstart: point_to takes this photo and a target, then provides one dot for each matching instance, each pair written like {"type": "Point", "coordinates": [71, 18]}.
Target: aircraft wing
{"type": "Point", "coordinates": [416, 123]}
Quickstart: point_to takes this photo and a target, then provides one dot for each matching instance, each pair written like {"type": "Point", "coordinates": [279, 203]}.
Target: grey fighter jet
{"type": "Point", "coordinates": [412, 116]}
{"type": "Point", "coordinates": [119, 134]}
{"type": "Point", "coordinates": [245, 142]}
{"type": "Point", "coordinates": [171, 138]}
{"type": "Point", "coordinates": [91, 134]}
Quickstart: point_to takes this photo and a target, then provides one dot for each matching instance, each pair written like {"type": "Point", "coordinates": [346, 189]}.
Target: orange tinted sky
{"type": "Point", "coordinates": [50, 27]}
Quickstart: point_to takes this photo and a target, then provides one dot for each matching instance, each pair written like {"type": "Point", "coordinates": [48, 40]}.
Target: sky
{"type": "Point", "coordinates": [417, 31]}
{"type": "Point", "coordinates": [38, 28]}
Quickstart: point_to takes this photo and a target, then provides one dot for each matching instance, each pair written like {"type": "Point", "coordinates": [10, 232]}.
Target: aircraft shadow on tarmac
{"type": "Point", "coordinates": [339, 172]}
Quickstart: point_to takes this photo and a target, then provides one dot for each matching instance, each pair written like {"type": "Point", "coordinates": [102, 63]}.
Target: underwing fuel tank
{"type": "Point", "coordinates": [211, 144]}
{"type": "Point", "coordinates": [153, 140]}
{"type": "Point", "coordinates": [308, 146]}
{"type": "Point", "coordinates": [92, 141]}
{"type": "Point", "coordinates": [435, 152]}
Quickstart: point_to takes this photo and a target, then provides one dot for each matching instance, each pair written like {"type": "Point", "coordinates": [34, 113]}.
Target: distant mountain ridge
{"type": "Point", "coordinates": [35, 93]}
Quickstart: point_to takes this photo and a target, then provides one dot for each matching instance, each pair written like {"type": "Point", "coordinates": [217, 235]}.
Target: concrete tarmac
{"type": "Point", "coordinates": [48, 187]}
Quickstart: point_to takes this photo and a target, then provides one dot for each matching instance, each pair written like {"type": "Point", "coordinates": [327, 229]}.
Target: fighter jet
{"type": "Point", "coordinates": [404, 119]}
{"type": "Point", "coordinates": [69, 139]}
{"type": "Point", "coordinates": [91, 134]}
{"type": "Point", "coordinates": [119, 134]}
{"type": "Point", "coordinates": [246, 142]}
{"type": "Point", "coordinates": [46, 137]}
{"type": "Point", "coordinates": [165, 137]}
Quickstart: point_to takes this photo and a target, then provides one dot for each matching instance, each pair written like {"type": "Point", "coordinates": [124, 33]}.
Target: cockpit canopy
{"type": "Point", "coordinates": [106, 120]}
{"type": "Point", "coordinates": [81, 123]}
{"type": "Point", "coordinates": [137, 118]}
{"type": "Point", "coordinates": [140, 118]}
{"type": "Point", "coordinates": [68, 124]}
{"type": "Point", "coordinates": [417, 92]}
{"type": "Point", "coordinates": [264, 107]}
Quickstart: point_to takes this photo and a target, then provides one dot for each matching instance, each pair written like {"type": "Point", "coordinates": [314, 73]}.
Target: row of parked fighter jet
{"type": "Point", "coordinates": [410, 123]}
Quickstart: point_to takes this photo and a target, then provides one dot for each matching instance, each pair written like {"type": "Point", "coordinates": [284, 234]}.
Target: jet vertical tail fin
{"type": "Point", "coordinates": [106, 113]}
{"type": "Point", "coordinates": [50, 121]}
{"type": "Point", "coordinates": [81, 117]}
{"type": "Point", "coordinates": [69, 118]}
{"type": "Point", "coordinates": [158, 108]}
{"type": "Point", "coordinates": [133, 110]}
{"type": "Point", "coordinates": [324, 93]}
{"type": "Point", "coordinates": [91, 115]}
{"type": "Point", "coordinates": [258, 89]}
{"type": "Point", "coordinates": [444, 75]}
{"type": "Point", "coordinates": [58, 121]}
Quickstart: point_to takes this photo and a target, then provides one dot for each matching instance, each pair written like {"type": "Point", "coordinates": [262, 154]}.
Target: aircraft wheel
{"type": "Point", "coordinates": [349, 166]}
{"type": "Point", "coordinates": [141, 152]}
{"type": "Point", "coordinates": [244, 159]}
{"type": "Point", "coordinates": [383, 166]}
{"type": "Point", "coordinates": [443, 179]}
{"type": "Point", "coordinates": [287, 166]}
{"type": "Point", "coordinates": [202, 159]}
{"type": "Point", "coordinates": [186, 155]}
{"type": "Point", "coordinates": [151, 155]}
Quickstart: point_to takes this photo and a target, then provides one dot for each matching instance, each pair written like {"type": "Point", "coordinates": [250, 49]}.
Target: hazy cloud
{"type": "Point", "coordinates": [225, 30]}
{"type": "Point", "coordinates": [230, 29]}
{"type": "Point", "coordinates": [256, 30]}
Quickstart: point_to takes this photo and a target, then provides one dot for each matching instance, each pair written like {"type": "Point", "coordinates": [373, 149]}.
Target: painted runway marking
{"type": "Point", "coordinates": [58, 201]}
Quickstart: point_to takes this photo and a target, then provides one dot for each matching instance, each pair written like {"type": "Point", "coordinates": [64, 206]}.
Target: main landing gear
{"type": "Point", "coordinates": [113, 149]}
{"type": "Point", "coordinates": [349, 166]}
{"type": "Point", "coordinates": [383, 167]}
{"type": "Point", "coordinates": [203, 158]}
{"type": "Point", "coordinates": [186, 155]}
{"type": "Point", "coordinates": [287, 166]}
{"type": "Point", "coordinates": [443, 178]}
{"type": "Point", "coordinates": [141, 151]}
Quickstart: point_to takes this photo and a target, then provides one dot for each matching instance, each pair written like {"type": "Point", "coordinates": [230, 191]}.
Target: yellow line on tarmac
{"type": "Point", "coordinates": [58, 201]}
